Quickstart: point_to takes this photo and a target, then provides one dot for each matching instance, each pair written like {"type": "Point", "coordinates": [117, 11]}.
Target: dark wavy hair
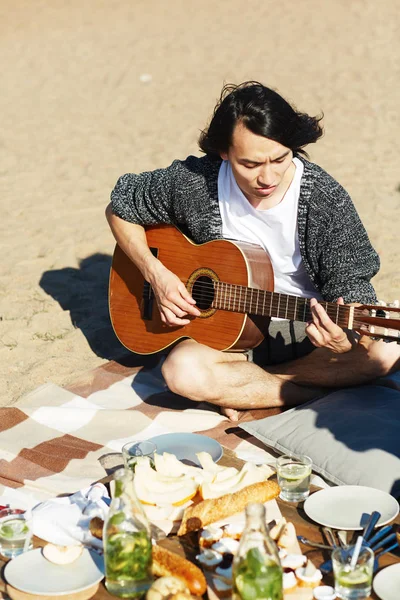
{"type": "Point", "coordinates": [264, 112]}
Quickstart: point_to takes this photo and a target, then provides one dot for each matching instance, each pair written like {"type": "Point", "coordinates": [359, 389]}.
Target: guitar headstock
{"type": "Point", "coordinates": [380, 322]}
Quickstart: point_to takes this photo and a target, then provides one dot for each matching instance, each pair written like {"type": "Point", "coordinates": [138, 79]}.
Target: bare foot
{"type": "Point", "coordinates": [231, 413]}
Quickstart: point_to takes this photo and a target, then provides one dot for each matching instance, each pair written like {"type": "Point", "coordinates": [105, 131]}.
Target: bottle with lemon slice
{"type": "Point", "coordinates": [127, 542]}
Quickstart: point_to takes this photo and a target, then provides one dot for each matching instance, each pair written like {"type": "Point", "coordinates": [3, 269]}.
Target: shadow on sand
{"type": "Point", "coordinates": [84, 293]}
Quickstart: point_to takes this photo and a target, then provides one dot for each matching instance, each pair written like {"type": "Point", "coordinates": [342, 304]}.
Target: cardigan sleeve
{"type": "Point", "coordinates": [347, 261]}
{"type": "Point", "coordinates": [146, 198]}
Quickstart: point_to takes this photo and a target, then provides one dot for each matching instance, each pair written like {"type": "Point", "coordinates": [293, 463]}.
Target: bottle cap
{"type": "Point", "coordinates": [324, 592]}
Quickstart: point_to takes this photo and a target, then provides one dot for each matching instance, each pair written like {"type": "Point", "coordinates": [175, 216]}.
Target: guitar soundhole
{"type": "Point", "coordinates": [203, 292]}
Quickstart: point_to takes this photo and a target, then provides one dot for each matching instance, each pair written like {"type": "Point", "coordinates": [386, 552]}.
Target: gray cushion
{"type": "Point", "coordinates": [352, 436]}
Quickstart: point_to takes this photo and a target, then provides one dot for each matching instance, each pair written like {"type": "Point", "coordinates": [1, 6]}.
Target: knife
{"type": "Point", "coordinates": [378, 536]}
{"type": "Point", "coordinates": [369, 527]}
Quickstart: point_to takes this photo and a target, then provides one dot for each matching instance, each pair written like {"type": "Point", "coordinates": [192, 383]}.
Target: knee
{"type": "Point", "coordinates": [183, 370]}
{"type": "Point", "coordinates": [385, 357]}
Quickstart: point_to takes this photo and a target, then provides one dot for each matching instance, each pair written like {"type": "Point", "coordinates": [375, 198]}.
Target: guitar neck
{"type": "Point", "coordinates": [253, 301]}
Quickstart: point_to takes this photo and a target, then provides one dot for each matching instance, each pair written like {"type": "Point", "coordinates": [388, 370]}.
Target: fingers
{"type": "Point", "coordinates": [171, 319]}
{"type": "Point", "coordinates": [323, 332]}
{"type": "Point", "coordinates": [186, 302]}
{"type": "Point", "coordinates": [174, 311]}
{"type": "Point", "coordinates": [319, 316]}
{"type": "Point", "coordinates": [314, 335]}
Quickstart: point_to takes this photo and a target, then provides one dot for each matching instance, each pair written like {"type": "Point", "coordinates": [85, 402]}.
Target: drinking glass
{"type": "Point", "coordinates": [133, 450]}
{"type": "Point", "coordinates": [353, 583]}
{"type": "Point", "coordinates": [294, 474]}
{"type": "Point", "coordinates": [15, 532]}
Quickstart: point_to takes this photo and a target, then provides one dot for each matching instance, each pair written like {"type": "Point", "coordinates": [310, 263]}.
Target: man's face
{"type": "Point", "coordinates": [262, 167]}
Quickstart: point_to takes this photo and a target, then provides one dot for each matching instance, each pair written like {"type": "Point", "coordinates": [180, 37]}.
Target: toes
{"type": "Point", "coordinates": [231, 413]}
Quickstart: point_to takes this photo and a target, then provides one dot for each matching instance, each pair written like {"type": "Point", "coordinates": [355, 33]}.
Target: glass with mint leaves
{"type": "Point", "coordinates": [257, 572]}
{"type": "Point", "coordinates": [127, 541]}
{"type": "Point", "coordinates": [15, 532]}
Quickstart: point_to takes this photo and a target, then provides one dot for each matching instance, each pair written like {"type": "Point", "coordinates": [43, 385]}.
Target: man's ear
{"type": "Point", "coordinates": [224, 155]}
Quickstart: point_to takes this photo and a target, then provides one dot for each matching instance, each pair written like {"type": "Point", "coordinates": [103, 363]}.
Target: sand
{"type": "Point", "coordinates": [90, 90]}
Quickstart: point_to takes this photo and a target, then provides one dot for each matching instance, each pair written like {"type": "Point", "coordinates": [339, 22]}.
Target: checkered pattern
{"type": "Point", "coordinates": [55, 442]}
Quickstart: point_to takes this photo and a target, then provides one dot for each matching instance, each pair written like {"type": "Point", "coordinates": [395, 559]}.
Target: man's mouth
{"type": "Point", "coordinates": [266, 190]}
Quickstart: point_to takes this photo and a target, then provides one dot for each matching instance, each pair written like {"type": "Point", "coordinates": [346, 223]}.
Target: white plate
{"type": "Point", "coordinates": [387, 583]}
{"type": "Point", "coordinates": [341, 507]}
{"type": "Point", "coordinates": [185, 446]}
{"type": "Point", "coordinates": [32, 573]}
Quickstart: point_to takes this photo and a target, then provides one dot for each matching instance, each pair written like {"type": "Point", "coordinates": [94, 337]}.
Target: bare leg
{"type": "Point", "coordinates": [367, 361]}
{"type": "Point", "coordinates": [228, 380]}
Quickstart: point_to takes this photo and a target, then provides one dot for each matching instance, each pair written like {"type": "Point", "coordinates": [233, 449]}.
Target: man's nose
{"type": "Point", "coordinates": [266, 176]}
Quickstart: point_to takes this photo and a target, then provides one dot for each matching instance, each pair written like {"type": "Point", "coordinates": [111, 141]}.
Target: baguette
{"type": "Point", "coordinates": [167, 563]}
{"type": "Point", "coordinates": [209, 511]}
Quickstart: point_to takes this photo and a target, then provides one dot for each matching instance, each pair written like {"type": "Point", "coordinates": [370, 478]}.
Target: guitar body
{"type": "Point", "coordinates": [135, 315]}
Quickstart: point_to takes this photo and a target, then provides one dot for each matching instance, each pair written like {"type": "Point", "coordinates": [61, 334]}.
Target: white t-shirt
{"type": "Point", "coordinates": [275, 229]}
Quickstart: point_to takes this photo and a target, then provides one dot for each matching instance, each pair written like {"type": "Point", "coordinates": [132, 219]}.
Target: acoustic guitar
{"type": "Point", "coordinates": [232, 283]}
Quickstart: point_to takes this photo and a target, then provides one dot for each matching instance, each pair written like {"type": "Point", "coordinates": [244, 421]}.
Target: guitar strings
{"type": "Point", "coordinates": [231, 297]}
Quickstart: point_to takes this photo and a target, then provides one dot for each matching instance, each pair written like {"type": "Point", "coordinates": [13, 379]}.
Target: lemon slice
{"type": "Point", "coordinates": [351, 578]}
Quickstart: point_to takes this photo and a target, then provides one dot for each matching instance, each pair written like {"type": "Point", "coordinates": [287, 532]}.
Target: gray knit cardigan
{"type": "Point", "coordinates": [334, 245]}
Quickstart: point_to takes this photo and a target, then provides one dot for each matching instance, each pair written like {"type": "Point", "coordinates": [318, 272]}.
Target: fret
{"type": "Point", "coordinates": [287, 302]}
{"type": "Point", "coordinates": [270, 304]}
{"type": "Point", "coordinates": [251, 300]}
{"type": "Point", "coordinates": [279, 305]}
{"type": "Point", "coordinates": [245, 299]}
{"type": "Point", "coordinates": [239, 297]}
{"type": "Point", "coordinates": [258, 299]}
{"type": "Point", "coordinates": [295, 309]}
{"type": "Point", "coordinates": [234, 298]}
{"type": "Point", "coordinates": [305, 308]}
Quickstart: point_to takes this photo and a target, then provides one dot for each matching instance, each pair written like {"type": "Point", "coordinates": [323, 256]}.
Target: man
{"type": "Point", "coordinates": [254, 185]}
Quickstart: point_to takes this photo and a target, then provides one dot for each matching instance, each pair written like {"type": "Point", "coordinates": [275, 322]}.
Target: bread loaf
{"type": "Point", "coordinates": [199, 515]}
{"type": "Point", "coordinates": [166, 563]}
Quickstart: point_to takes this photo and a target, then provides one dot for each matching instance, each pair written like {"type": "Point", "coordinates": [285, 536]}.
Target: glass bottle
{"type": "Point", "coordinates": [127, 541]}
{"type": "Point", "coordinates": [256, 570]}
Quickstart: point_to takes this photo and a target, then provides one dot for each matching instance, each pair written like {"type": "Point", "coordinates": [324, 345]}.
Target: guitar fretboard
{"type": "Point", "coordinates": [237, 298]}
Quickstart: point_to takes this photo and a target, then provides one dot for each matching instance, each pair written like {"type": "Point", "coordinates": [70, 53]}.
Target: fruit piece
{"type": "Point", "coordinates": [62, 555]}
{"type": "Point", "coordinates": [164, 587]}
{"type": "Point", "coordinates": [248, 475]}
{"type": "Point", "coordinates": [165, 492]}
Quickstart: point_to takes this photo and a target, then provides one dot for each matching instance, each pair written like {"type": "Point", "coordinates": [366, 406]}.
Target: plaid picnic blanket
{"type": "Point", "coordinates": [54, 441]}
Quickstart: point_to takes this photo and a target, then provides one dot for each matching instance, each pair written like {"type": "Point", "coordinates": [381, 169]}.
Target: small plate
{"type": "Point", "coordinates": [33, 573]}
{"type": "Point", "coordinates": [185, 446]}
{"type": "Point", "coordinates": [386, 583]}
{"type": "Point", "coordinates": [341, 507]}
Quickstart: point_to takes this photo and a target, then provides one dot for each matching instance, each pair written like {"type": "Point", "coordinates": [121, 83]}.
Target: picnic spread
{"type": "Point", "coordinates": [57, 443]}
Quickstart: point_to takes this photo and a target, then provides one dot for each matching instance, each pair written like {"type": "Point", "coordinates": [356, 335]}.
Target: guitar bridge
{"type": "Point", "coordinates": [148, 295]}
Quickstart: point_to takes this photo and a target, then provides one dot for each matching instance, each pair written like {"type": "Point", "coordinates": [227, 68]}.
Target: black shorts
{"type": "Point", "coordinates": [286, 340]}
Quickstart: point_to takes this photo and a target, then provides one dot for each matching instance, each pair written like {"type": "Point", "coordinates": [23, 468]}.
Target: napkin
{"type": "Point", "coordinates": [65, 521]}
